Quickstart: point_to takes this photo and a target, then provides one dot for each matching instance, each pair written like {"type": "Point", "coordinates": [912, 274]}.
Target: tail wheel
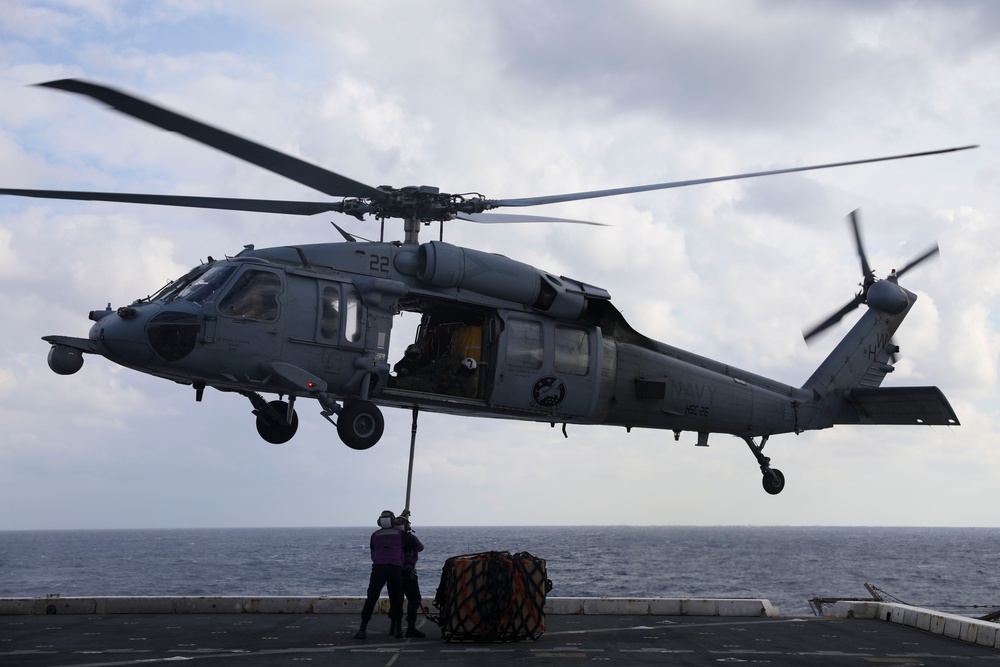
{"type": "Point", "coordinates": [360, 424]}
{"type": "Point", "coordinates": [773, 481]}
{"type": "Point", "coordinates": [275, 431]}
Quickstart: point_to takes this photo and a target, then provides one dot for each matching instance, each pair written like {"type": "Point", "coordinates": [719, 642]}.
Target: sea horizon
{"type": "Point", "coordinates": [945, 568]}
{"type": "Point", "coordinates": [520, 525]}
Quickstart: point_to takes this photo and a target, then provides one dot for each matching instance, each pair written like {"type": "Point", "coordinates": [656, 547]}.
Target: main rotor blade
{"type": "Point", "coordinates": [836, 317]}
{"type": "Point", "coordinates": [225, 203]}
{"type": "Point", "coordinates": [927, 255]}
{"type": "Point", "coordinates": [505, 218]}
{"type": "Point", "coordinates": [298, 170]}
{"type": "Point", "coordinates": [594, 194]}
{"type": "Point", "coordinates": [865, 269]}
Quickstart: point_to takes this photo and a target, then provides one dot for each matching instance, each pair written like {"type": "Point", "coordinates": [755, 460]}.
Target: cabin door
{"type": "Point", "coordinates": [325, 327]}
{"type": "Point", "coordinates": [546, 366]}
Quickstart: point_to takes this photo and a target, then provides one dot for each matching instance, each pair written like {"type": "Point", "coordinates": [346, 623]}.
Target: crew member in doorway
{"type": "Point", "coordinates": [413, 360]}
{"type": "Point", "coordinates": [408, 371]}
{"type": "Point", "coordinates": [386, 545]}
{"type": "Point", "coordinates": [450, 376]}
{"type": "Point", "coordinates": [412, 546]}
{"type": "Point", "coordinates": [466, 377]}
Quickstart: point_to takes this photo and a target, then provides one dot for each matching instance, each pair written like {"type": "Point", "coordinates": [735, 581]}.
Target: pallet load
{"type": "Point", "coordinates": [492, 597]}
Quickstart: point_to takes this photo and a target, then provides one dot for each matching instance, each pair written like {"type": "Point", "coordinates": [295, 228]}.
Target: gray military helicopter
{"type": "Point", "coordinates": [497, 337]}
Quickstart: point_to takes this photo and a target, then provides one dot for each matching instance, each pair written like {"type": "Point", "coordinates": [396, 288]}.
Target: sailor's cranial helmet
{"type": "Point", "coordinates": [386, 518]}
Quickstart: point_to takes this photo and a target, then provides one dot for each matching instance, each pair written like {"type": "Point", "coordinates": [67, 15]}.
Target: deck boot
{"type": "Point", "coordinates": [412, 632]}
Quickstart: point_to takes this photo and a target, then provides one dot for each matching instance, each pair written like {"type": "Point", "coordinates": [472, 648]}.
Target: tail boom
{"type": "Point", "coordinates": [846, 386]}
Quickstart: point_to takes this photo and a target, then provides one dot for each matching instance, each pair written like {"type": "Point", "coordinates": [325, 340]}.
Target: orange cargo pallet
{"type": "Point", "coordinates": [492, 596]}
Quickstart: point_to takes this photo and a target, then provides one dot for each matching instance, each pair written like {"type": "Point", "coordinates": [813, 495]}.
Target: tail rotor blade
{"type": "Point", "coordinates": [836, 317]}
{"type": "Point", "coordinates": [865, 268]}
{"type": "Point", "coordinates": [927, 255]}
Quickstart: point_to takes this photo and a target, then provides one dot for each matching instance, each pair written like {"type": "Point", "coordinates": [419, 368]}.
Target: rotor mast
{"type": "Point", "coordinates": [411, 230]}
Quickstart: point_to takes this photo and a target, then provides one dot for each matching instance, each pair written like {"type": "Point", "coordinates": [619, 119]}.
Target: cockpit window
{"type": "Point", "coordinates": [254, 296]}
{"type": "Point", "coordinates": [207, 284]}
{"type": "Point", "coordinates": [169, 291]}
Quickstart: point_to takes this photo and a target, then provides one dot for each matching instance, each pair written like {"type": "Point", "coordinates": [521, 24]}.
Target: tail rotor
{"type": "Point", "coordinates": [887, 296]}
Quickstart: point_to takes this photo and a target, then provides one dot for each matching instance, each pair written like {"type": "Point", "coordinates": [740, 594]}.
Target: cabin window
{"type": "Point", "coordinates": [572, 351]}
{"type": "Point", "coordinates": [254, 296]}
{"type": "Point", "coordinates": [330, 323]}
{"type": "Point", "coordinates": [341, 306]}
{"type": "Point", "coordinates": [352, 321]}
{"type": "Point", "coordinates": [524, 343]}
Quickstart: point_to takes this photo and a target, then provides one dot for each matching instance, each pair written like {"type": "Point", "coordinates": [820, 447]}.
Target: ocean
{"type": "Point", "coordinates": [949, 569]}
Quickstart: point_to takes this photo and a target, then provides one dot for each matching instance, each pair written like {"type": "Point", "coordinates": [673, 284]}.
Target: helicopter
{"type": "Point", "coordinates": [497, 338]}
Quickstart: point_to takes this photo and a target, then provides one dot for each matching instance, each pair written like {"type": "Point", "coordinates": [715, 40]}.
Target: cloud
{"type": "Point", "coordinates": [511, 99]}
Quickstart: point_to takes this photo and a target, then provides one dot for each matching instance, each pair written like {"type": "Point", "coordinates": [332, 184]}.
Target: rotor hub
{"type": "Point", "coordinates": [422, 203]}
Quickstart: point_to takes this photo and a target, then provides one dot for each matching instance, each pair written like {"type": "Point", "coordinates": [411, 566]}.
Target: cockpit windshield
{"type": "Point", "coordinates": [207, 284]}
{"type": "Point", "coordinates": [169, 291]}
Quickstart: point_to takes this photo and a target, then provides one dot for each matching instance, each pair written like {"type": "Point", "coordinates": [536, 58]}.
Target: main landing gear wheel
{"type": "Point", "coordinates": [360, 424]}
{"type": "Point", "coordinates": [773, 481]}
{"type": "Point", "coordinates": [276, 431]}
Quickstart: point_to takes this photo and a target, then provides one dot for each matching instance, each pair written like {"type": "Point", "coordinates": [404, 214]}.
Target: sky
{"type": "Point", "coordinates": [511, 99]}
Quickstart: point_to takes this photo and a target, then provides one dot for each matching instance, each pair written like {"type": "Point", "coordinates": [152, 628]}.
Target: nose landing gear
{"type": "Point", "coordinates": [277, 421]}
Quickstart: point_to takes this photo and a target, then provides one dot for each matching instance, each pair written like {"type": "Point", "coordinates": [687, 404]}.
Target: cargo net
{"type": "Point", "coordinates": [492, 597]}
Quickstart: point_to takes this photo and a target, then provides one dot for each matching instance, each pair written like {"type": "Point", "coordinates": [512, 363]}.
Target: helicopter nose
{"type": "Point", "coordinates": [173, 334]}
{"type": "Point", "coordinates": [122, 334]}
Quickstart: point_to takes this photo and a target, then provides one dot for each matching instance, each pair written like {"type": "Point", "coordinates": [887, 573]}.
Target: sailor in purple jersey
{"type": "Point", "coordinates": [412, 546]}
{"type": "Point", "coordinates": [387, 561]}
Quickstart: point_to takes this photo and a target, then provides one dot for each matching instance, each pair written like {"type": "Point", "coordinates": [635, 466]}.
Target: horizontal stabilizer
{"type": "Point", "coordinates": [903, 405]}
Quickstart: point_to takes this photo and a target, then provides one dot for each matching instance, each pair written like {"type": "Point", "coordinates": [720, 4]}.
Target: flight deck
{"type": "Point", "coordinates": [112, 632]}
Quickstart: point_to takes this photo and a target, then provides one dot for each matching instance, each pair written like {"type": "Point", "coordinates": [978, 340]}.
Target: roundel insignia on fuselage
{"type": "Point", "coordinates": [548, 391]}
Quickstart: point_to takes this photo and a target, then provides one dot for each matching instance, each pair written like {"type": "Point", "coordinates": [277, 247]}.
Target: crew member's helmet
{"type": "Point", "coordinates": [469, 364]}
{"type": "Point", "coordinates": [412, 351]}
{"type": "Point", "coordinates": [385, 519]}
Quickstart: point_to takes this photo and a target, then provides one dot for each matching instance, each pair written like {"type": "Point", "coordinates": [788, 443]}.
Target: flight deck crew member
{"type": "Point", "coordinates": [412, 547]}
{"type": "Point", "coordinates": [386, 545]}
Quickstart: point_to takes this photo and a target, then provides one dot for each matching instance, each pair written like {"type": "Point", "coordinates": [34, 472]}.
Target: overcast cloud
{"type": "Point", "coordinates": [511, 99]}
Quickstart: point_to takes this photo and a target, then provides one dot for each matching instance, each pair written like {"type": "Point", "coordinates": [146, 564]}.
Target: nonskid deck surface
{"type": "Point", "coordinates": [112, 640]}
